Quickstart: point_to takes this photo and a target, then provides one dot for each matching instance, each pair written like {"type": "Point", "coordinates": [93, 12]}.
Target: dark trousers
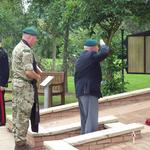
{"type": "Point", "coordinates": [2, 109]}
{"type": "Point", "coordinates": [88, 106]}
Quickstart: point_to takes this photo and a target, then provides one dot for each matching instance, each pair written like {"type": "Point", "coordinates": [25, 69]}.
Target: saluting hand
{"type": "Point", "coordinates": [101, 42]}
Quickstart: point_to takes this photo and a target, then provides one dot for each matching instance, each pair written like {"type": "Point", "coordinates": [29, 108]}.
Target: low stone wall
{"type": "Point", "coordinates": [98, 140]}
{"type": "Point", "coordinates": [70, 110]}
{"type": "Point", "coordinates": [101, 144]}
{"type": "Point", "coordinates": [59, 112]}
{"type": "Point", "coordinates": [37, 141]}
{"type": "Point", "coordinates": [61, 132]}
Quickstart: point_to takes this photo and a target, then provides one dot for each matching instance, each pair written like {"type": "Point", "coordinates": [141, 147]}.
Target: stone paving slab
{"type": "Point", "coordinates": [6, 139]}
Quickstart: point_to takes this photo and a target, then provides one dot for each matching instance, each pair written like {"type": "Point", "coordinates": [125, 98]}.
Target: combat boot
{"type": "Point", "coordinates": [23, 147]}
{"type": "Point", "coordinates": [28, 147]}
{"type": "Point", "coordinates": [20, 147]}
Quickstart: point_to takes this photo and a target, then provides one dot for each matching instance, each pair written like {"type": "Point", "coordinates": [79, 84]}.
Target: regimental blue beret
{"type": "Point", "coordinates": [91, 42]}
{"type": "Point", "coordinates": [31, 30]}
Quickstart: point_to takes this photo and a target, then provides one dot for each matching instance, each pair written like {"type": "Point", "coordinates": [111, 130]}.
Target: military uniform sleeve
{"type": "Point", "coordinates": [27, 60]}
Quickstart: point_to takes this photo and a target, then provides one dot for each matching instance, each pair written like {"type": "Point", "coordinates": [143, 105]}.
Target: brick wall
{"type": "Point", "coordinates": [37, 140]}
{"type": "Point", "coordinates": [60, 114]}
{"type": "Point", "coordinates": [101, 144]}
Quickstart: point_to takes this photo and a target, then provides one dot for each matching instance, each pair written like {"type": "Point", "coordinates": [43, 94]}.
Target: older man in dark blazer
{"type": "Point", "coordinates": [88, 78]}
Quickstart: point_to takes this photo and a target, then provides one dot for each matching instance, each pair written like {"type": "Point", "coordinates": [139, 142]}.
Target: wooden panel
{"type": "Point", "coordinates": [148, 54]}
{"type": "Point", "coordinates": [57, 86]}
{"type": "Point", "coordinates": [57, 83]}
{"type": "Point", "coordinates": [135, 54]}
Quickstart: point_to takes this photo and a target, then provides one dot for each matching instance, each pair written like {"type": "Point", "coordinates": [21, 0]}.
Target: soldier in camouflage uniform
{"type": "Point", "coordinates": [23, 94]}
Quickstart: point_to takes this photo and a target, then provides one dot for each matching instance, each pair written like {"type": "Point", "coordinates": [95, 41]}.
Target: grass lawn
{"type": "Point", "coordinates": [137, 81]}
{"type": "Point", "coordinates": [134, 82]}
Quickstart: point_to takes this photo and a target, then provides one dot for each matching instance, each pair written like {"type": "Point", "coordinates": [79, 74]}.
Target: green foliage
{"type": "Point", "coordinates": [112, 67]}
{"type": "Point", "coordinates": [8, 110]}
{"type": "Point", "coordinates": [76, 43]}
{"type": "Point", "coordinates": [46, 64]}
{"type": "Point", "coordinates": [71, 87]}
{"type": "Point", "coordinates": [64, 25]}
{"type": "Point", "coordinates": [10, 25]}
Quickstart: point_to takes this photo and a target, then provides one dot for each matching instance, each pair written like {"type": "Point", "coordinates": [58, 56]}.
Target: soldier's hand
{"type": "Point", "coordinates": [2, 88]}
{"type": "Point", "coordinates": [38, 77]}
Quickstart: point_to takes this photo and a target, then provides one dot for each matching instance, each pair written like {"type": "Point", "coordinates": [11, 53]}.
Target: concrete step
{"type": "Point", "coordinates": [115, 124]}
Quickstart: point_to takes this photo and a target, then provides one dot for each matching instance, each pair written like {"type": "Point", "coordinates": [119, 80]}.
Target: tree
{"type": "Point", "coordinates": [10, 25]}
{"type": "Point", "coordinates": [109, 15]}
{"type": "Point", "coordinates": [58, 21]}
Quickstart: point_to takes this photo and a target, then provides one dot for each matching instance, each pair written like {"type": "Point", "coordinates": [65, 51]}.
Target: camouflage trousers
{"type": "Point", "coordinates": [23, 97]}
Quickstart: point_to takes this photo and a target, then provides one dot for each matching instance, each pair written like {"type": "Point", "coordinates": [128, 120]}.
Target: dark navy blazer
{"type": "Point", "coordinates": [88, 74]}
{"type": "Point", "coordinates": [4, 68]}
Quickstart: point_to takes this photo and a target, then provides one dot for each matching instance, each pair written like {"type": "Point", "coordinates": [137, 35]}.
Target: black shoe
{"type": "Point", "coordinates": [23, 147]}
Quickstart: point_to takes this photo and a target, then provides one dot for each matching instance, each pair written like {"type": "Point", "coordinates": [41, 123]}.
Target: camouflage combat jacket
{"type": "Point", "coordinates": [22, 60]}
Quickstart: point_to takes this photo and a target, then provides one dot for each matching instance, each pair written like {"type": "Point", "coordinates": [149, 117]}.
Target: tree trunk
{"type": "Point", "coordinates": [54, 54]}
{"type": "Point", "coordinates": [65, 55]}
